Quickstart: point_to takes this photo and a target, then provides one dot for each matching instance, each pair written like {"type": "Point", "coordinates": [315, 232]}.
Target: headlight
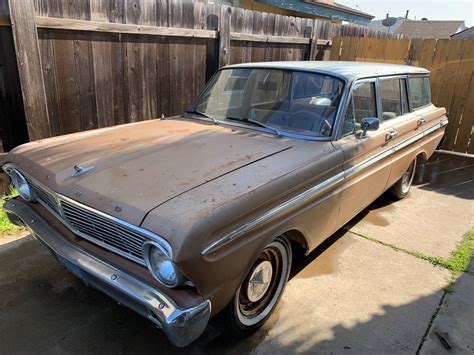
{"type": "Point", "coordinates": [161, 266]}
{"type": "Point", "coordinates": [21, 185]}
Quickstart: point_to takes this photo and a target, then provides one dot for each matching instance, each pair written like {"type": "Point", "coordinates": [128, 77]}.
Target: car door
{"type": "Point", "coordinates": [429, 117]}
{"type": "Point", "coordinates": [400, 124]}
{"type": "Point", "coordinates": [366, 163]}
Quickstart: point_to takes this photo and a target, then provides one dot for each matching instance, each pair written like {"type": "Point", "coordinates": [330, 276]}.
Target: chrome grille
{"type": "Point", "coordinates": [44, 195]}
{"type": "Point", "coordinates": [107, 231]}
{"type": "Point", "coordinates": [103, 229]}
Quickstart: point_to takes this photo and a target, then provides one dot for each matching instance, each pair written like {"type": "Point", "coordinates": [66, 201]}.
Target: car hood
{"type": "Point", "coordinates": [137, 167]}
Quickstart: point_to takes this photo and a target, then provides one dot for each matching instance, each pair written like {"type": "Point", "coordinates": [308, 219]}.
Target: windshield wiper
{"type": "Point", "coordinates": [202, 114]}
{"type": "Point", "coordinates": [256, 123]}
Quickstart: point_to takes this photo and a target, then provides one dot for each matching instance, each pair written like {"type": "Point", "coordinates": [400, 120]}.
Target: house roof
{"type": "Point", "coordinates": [347, 70]}
{"type": "Point", "coordinates": [465, 34]}
{"type": "Point", "coordinates": [378, 26]}
{"type": "Point", "coordinates": [342, 7]}
{"type": "Point", "coordinates": [313, 7]}
{"type": "Point", "coordinates": [430, 29]}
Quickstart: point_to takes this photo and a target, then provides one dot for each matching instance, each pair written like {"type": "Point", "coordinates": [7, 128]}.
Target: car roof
{"type": "Point", "coordinates": [347, 70]}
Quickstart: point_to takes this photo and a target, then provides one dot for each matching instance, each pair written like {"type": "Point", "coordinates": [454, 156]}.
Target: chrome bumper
{"type": "Point", "coordinates": [181, 326]}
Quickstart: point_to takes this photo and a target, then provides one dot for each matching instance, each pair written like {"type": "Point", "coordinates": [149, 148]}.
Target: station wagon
{"type": "Point", "coordinates": [188, 217]}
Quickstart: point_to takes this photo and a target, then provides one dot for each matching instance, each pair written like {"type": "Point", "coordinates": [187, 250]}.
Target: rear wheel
{"type": "Point", "coordinates": [259, 293]}
{"type": "Point", "coordinates": [402, 186]}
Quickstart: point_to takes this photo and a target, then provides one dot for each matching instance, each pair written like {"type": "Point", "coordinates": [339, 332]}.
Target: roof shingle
{"type": "Point", "coordinates": [430, 29]}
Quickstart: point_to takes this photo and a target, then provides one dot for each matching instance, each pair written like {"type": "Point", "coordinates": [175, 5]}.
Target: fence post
{"type": "Point", "coordinates": [224, 36]}
{"type": "Point", "coordinates": [308, 49]}
{"type": "Point", "coordinates": [25, 37]}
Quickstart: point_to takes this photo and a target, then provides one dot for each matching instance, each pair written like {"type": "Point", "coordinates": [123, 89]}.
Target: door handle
{"type": "Point", "coordinates": [390, 135]}
{"type": "Point", "coordinates": [421, 121]}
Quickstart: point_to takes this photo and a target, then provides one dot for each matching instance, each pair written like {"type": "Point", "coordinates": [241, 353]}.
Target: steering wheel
{"type": "Point", "coordinates": [305, 115]}
{"type": "Point", "coordinates": [325, 129]}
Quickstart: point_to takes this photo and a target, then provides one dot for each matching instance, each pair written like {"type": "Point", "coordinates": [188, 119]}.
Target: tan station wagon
{"type": "Point", "coordinates": [192, 216]}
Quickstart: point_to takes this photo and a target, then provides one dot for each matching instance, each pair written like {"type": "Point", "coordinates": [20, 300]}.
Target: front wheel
{"type": "Point", "coordinates": [259, 293]}
{"type": "Point", "coordinates": [402, 186]}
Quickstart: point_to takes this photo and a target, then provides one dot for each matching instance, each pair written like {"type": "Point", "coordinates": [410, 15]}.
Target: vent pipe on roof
{"type": "Point", "coordinates": [386, 16]}
{"type": "Point", "coordinates": [406, 15]}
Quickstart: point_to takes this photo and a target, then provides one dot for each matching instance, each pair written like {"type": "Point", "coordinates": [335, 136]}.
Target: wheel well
{"type": "Point", "coordinates": [423, 155]}
{"type": "Point", "coordinates": [299, 244]}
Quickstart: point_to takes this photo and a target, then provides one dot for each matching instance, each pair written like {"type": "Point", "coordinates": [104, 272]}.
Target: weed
{"type": "Point", "coordinates": [6, 228]}
{"type": "Point", "coordinates": [458, 262]}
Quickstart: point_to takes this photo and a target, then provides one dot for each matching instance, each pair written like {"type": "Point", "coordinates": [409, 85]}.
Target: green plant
{"type": "Point", "coordinates": [6, 228]}
{"type": "Point", "coordinates": [458, 262]}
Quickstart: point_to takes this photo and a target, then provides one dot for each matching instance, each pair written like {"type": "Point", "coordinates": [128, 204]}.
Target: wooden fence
{"type": "Point", "coordinates": [77, 65]}
{"type": "Point", "coordinates": [451, 63]}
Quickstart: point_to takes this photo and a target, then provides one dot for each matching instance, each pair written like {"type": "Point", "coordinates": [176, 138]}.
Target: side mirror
{"type": "Point", "coordinates": [369, 124]}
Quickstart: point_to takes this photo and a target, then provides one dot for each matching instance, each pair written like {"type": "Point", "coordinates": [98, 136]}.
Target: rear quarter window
{"type": "Point", "coordinates": [420, 93]}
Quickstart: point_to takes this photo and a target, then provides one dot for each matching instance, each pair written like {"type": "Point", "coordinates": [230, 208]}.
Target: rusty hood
{"type": "Point", "coordinates": [137, 167]}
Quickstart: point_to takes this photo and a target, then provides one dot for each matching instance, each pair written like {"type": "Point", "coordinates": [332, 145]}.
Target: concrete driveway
{"type": "Point", "coordinates": [368, 289]}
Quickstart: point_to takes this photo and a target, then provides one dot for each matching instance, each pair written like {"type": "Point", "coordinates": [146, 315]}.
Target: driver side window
{"type": "Point", "coordinates": [361, 104]}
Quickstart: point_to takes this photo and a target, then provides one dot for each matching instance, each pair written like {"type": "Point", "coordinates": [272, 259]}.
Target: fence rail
{"type": "Point", "coordinates": [451, 63]}
{"type": "Point", "coordinates": [67, 66]}
{"type": "Point", "coordinates": [71, 66]}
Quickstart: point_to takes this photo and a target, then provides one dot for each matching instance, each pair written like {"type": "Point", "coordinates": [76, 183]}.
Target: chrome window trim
{"type": "Point", "coordinates": [404, 80]}
{"type": "Point", "coordinates": [392, 77]}
{"type": "Point", "coordinates": [343, 105]}
{"type": "Point", "coordinates": [411, 76]}
{"type": "Point", "coordinates": [59, 197]}
{"type": "Point", "coordinates": [284, 133]}
{"type": "Point", "coordinates": [317, 190]}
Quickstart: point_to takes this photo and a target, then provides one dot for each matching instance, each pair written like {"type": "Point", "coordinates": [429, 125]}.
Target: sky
{"type": "Point", "coordinates": [433, 10]}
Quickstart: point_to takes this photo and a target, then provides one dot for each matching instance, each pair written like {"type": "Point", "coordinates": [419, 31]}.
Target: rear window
{"type": "Point", "coordinates": [420, 93]}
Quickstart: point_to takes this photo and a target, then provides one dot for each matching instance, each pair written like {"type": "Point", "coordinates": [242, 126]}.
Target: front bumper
{"type": "Point", "coordinates": [181, 326]}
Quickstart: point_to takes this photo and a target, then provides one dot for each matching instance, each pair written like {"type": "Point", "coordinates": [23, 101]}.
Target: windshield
{"type": "Point", "coordinates": [282, 100]}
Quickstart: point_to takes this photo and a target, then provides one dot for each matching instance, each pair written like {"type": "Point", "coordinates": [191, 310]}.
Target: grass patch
{"type": "Point", "coordinates": [457, 263]}
{"type": "Point", "coordinates": [461, 257]}
{"type": "Point", "coordinates": [6, 228]}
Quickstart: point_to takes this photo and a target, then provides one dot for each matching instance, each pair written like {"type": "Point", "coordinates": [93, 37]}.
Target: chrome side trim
{"type": "Point", "coordinates": [301, 198]}
{"type": "Point", "coordinates": [368, 163]}
{"type": "Point", "coordinates": [181, 325]}
{"type": "Point", "coordinates": [318, 189]}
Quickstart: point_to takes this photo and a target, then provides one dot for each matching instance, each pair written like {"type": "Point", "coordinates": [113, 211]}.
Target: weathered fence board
{"type": "Point", "coordinates": [22, 17]}
{"type": "Point", "coordinates": [110, 62]}
{"type": "Point", "coordinates": [13, 130]}
{"type": "Point", "coordinates": [452, 75]}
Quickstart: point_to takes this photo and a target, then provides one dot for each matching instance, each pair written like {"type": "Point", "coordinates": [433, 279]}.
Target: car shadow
{"type": "Point", "coordinates": [442, 173]}
{"type": "Point", "coordinates": [60, 315]}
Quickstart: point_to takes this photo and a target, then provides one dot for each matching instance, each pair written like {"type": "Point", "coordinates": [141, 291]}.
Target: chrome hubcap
{"type": "Point", "coordinates": [259, 281]}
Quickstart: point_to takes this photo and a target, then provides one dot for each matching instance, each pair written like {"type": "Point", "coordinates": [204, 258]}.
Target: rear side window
{"type": "Point", "coordinates": [420, 93]}
{"type": "Point", "coordinates": [390, 96]}
{"type": "Point", "coordinates": [361, 104]}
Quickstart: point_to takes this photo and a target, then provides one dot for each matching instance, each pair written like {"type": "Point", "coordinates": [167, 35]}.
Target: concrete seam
{"type": "Point", "coordinates": [431, 322]}
{"type": "Point", "coordinates": [414, 254]}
